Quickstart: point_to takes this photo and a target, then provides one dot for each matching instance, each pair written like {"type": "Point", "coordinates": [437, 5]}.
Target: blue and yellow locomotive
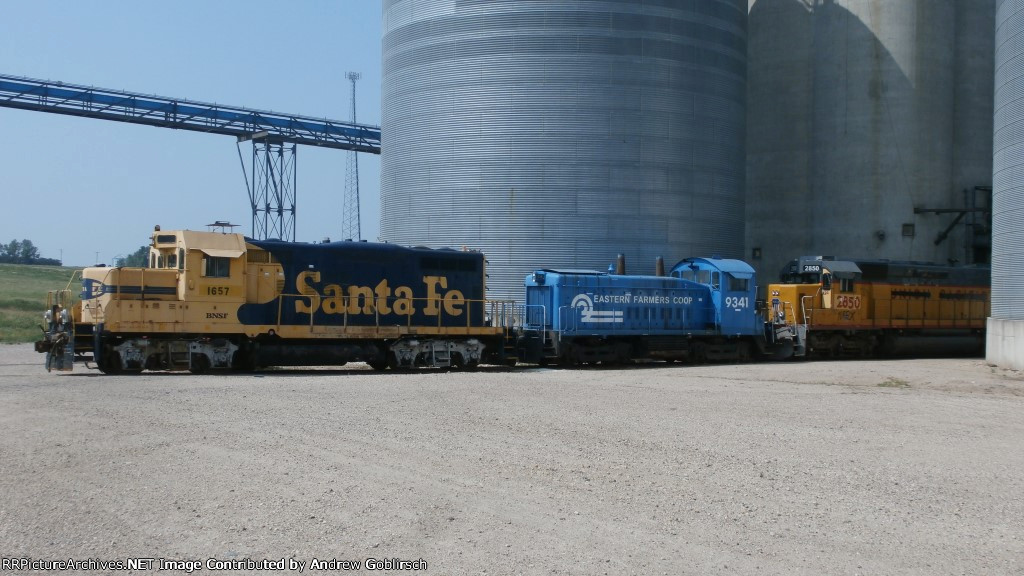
{"type": "Point", "coordinates": [215, 300]}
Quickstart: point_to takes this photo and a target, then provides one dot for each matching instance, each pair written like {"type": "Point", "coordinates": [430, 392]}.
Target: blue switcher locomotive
{"type": "Point", "coordinates": [705, 309]}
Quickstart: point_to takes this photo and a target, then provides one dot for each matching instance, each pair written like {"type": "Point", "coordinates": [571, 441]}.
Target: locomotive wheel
{"type": "Point", "coordinates": [243, 361]}
{"type": "Point", "coordinates": [111, 364]}
{"type": "Point", "coordinates": [114, 366]}
{"type": "Point", "coordinates": [698, 353]}
{"type": "Point", "coordinates": [783, 352]}
{"type": "Point", "coordinates": [743, 352]}
{"type": "Point", "coordinates": [200, 364]}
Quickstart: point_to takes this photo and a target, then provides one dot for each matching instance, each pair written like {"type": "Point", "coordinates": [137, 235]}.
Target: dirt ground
{"type": "Point", "coordinates": [850, 467]}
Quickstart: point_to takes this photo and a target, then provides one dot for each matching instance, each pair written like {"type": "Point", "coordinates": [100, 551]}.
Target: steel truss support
{"type": "Point", "coordinates": [272, 189]}
{"type": "Point", "coordinates": [274, 136]}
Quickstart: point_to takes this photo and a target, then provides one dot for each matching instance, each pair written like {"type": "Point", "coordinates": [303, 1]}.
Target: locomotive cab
{"type": "Point", "coordinates": [815, 283]}
{"type": "Point", "coordinates": [733, 291]}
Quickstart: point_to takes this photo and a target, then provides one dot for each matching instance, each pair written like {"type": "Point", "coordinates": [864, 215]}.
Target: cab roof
{"type": "Point", "coordinates": [737, 268]}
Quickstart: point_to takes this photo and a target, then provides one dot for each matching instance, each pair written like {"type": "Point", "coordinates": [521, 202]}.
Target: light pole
{"type": "Point", "coordinates": [350, 228]}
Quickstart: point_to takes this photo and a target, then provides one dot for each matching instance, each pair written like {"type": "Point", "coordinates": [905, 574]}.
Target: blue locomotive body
{"type": "Point", "coordinates": [354, 284]}
{"type": "Point", "coordinates": [704, 310]}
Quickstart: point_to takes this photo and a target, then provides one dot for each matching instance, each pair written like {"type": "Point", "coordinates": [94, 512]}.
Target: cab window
{"type": "Point", "coordinates": [217, 267]}
{"type": "Point", "coordinates": [846, 284]}
{"type": "Point", "coordinates": [738, 284]}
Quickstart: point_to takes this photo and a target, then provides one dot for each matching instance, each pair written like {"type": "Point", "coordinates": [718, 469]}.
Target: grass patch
{"type": "Point", "coordinates": [22, 304]}
{"type": "Point", "coordinates": [23, 301]}
{"type": "Point", "coordinates": [895, 383]}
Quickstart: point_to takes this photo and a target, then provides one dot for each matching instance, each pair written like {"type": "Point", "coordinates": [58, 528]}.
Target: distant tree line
{"type": "Point", "coordinates": [137, 259]}
{"type": "Point", "coordinates": [23, 252]}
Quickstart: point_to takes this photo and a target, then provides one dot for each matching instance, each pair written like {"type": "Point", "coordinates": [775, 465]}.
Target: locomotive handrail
{"type": "Point", "coordinates": [501, 311]}
{"type": "Point", "coordinates": [803, 309]}
{"type": "Point", "coordinates": [563, 318]}
{"type": "Point", "coordinates": [77, 272]}
{"type": "Point", "coordinates": [508, 312]}
{"type": "Point", "coordinates": [792, 311]}
{"type": "Point", "coordinates": [542, 328]}
{"type": "Point", "coordinates": [543, 313]}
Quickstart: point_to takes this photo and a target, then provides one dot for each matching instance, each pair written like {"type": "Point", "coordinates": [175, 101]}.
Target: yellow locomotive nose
{"type": "Point", "coordinates": [862, 308]}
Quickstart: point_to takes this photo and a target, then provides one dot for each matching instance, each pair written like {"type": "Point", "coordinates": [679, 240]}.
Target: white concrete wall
{"type": "Point", "coordinates": [1004, 343]}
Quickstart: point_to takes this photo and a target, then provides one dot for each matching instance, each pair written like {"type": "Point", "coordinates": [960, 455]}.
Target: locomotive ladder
{"type": "Point", "coordinates": [440, 354]}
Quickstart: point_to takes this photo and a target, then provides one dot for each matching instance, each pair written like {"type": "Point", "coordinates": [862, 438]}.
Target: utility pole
{"type": "Point", "coordinates": [350, 228]}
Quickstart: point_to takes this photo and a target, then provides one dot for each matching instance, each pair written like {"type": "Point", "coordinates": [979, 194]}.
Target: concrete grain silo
{"type": "Point", "coordinates": [1005, 336]}
{"type": "Point", "coordinates": [869, 130]}
{"type": "Point", "coordinates": [559, 133]}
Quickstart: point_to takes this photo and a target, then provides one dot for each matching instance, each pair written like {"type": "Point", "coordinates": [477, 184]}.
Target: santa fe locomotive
{"type": "Point", "coordinates": [214, 300]}
{"type": "Point", "coordinates": [222, 301]}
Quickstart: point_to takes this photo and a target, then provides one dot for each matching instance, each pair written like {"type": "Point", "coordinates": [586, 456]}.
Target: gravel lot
{"type": "Point", "coordinates": [887, 467]}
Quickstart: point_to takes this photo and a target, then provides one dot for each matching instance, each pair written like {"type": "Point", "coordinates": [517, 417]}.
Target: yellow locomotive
{"type": "Point", "coordinates": [868, 307]}
{"type": "Point", "coordinates": [220, 300]}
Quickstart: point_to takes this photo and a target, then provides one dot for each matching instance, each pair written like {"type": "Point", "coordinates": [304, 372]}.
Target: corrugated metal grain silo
{"type": "Point", "coordinates": [1005, 337]}
{"type": "Point", "coordinates": [558, 133]}
{"type": "Point", "coordinates": [869, 124]}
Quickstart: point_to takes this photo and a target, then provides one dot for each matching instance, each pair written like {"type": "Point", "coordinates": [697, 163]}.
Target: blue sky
{"type": "Point", "coordinates": [86, 186]}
